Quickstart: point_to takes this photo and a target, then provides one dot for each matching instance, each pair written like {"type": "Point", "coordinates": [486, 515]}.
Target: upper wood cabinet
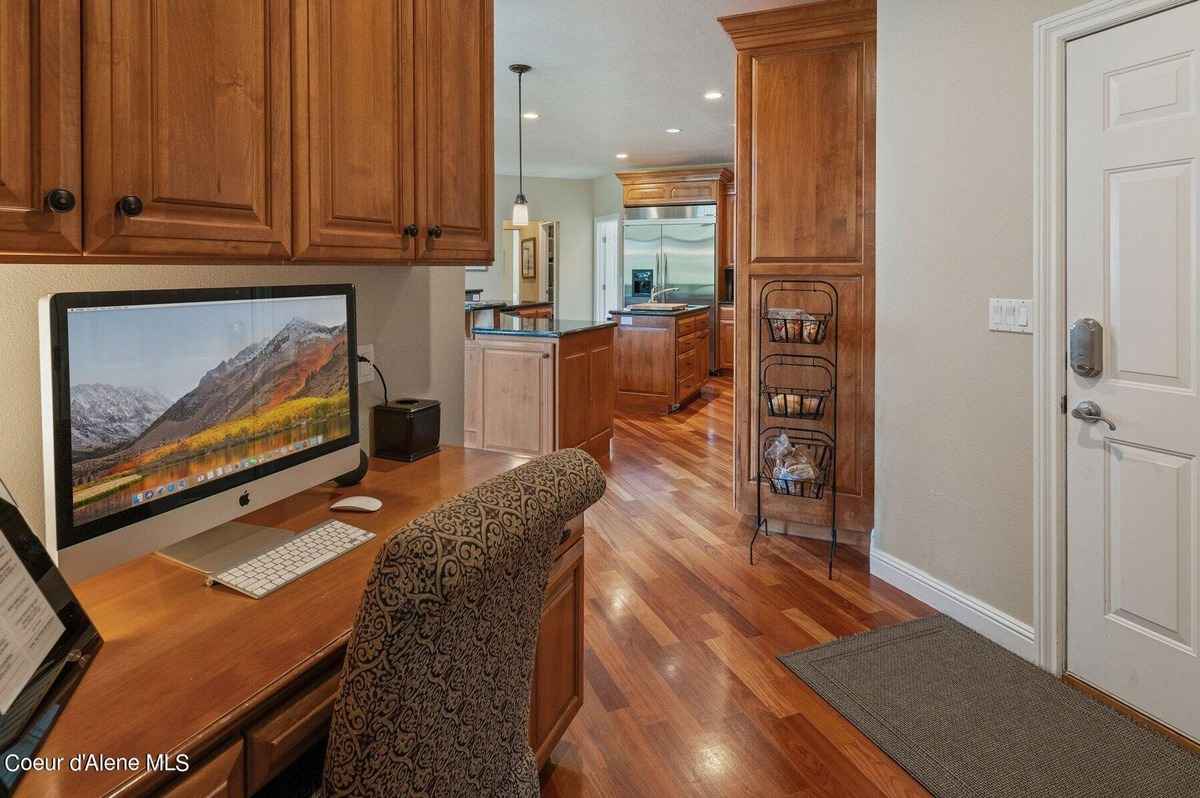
{"type": "Point", "coordinates": [266, 130]}
{"type": "Point", "coordinates": [455, 130]}
{"type": "Point", "coordinates": [802, 175]}
{"type": "Point", "coordinates": [187, 132]}
{"type": "Point", "coordinates": [355, 168]}
{"type": "Point", "coordinates": [39, 127]}
{"type": "Point", "coordinates": [691, 185]}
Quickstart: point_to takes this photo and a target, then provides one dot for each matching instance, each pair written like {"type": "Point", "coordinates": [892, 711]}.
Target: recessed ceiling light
{"type": "Point", "coordinates": [674, 130]}
{"type": "Point", "coordinates": [713, 95]}
{"type": "Point", "coordinates": [531, 115]}
{"type": "Point", "coordinates": [622, 156]}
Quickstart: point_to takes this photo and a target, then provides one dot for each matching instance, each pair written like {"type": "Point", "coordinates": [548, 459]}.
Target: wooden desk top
{"type": "Point", "coordinates": [183, 664]}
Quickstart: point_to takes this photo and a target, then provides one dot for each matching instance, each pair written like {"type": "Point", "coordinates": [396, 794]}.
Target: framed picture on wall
{"type": "Point", "coordinates": [528, 258]}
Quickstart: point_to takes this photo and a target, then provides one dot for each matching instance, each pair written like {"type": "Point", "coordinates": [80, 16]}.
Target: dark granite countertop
{"type": "Point", "coordinates": [526, 305]}
{"type": "Point", "coordinates": [636, 312]}
{"type": "Point", "coordinates": [485, 304]}
{"type": "Point", "coordinates": [540, 328]}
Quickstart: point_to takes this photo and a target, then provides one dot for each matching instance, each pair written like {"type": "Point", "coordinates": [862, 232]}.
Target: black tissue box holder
{"type": "Point", "coordinates": [406, 429]}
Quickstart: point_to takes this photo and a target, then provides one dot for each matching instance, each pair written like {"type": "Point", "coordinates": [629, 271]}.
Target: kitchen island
{"type": "Point", "coordinates": [536, 385]}
{"type": "Point", "coordinates": [662, 357]}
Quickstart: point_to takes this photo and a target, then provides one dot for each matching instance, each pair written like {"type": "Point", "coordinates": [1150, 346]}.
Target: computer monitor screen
{"type": "Point", "coordinates": [173, 398]}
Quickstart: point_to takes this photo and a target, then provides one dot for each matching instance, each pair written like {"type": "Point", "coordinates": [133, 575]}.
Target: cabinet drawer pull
{"type": "Point", "coordinates": [411, 230]}
{"type": "Point", "coordinates": [130, 205]}
{"type": "Point", "coordinates": [435, 231]}
{"type": "Point", "coordinates": [59, 200]}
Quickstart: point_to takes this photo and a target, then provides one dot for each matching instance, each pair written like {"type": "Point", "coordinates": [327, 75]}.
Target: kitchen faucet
{"type": "Point", "coordinates": [656, 294]}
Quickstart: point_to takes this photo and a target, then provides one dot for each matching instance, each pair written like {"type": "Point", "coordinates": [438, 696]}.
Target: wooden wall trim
{"type": "Point", "coordinates": [802, 22]}
{"type": "Point", "coordinates": [676, 175]}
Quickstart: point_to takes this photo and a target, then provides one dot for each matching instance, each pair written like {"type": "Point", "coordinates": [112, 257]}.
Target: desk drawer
{"type": "Point", "coordinates": [222, 775]}
{"type": "Point", "coordinates": [274, 742]}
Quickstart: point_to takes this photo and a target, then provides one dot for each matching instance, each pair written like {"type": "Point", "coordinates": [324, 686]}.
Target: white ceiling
{"type": "Point", "coordinates": [610, 77]}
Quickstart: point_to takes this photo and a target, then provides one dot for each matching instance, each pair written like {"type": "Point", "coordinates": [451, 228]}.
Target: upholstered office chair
{"type": "Point", "coordinates": [434, 699]}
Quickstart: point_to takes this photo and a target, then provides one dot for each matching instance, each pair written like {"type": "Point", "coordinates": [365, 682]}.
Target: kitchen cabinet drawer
{"type": "Point", "coordinates": [274, 742]}
{"type": "Point", "coordinates": [687, 325]}
{"type": "Point", "coordinates": [222, 775]}
{"type": "Point", "coordinates": [685, 365]}
{"type": "Point", "coordinates": [685, 387]}
{"type": "Point", "coordinates": [725, 313]}
{"type": "Point", "coordinates": [685, 343]}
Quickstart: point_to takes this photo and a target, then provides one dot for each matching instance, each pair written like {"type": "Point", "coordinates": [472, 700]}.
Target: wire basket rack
{"type": "Point", "coordinates": [799, 386]}
{"type": "Point", "coordinates": [811, 452]}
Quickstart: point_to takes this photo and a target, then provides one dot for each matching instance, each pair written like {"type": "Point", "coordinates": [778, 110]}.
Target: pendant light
{"type": "Point", "coordinates": [520, 211]}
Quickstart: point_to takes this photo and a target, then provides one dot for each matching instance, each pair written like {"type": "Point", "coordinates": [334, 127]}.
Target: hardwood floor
{"type": "Point", "coordinates": [683, 694]}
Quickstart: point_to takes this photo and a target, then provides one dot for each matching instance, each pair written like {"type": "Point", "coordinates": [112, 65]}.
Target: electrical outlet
{"type": "Point", "coordinates": [365, 372]}
{"type": "Point", "coordinates": [1010, 315]}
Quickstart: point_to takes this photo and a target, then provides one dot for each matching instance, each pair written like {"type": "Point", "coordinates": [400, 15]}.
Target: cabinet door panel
{"type": "Point", "coordinates": [725, 344]}
{"type": "Point", "coordinates": [806, 182]}
{"type": "Point", "coordinates": [355, 185]}
{"type": "Point", "coordinates": [189, 110]}
{"type": "Point", "coordinates": [557, 692]}
{"type": "Point", "coordinates": [39, 125]}
{"type": "Point", "coordinates": [454, 129]}
{"type": "Point", "coordinates": [518, 399]}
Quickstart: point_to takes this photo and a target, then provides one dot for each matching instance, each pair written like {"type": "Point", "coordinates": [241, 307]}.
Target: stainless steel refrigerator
{"type": "Point", "coordinates": [673, 246]}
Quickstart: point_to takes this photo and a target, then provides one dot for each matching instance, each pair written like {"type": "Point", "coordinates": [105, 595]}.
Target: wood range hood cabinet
{"type": "Point", "coordinates": [252, 130]}
{"type": "Point", "coordinates": [805, 209]}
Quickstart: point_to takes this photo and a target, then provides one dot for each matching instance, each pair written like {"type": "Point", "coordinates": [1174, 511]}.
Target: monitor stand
{"type": "Point", "coordinates": [225, 546]}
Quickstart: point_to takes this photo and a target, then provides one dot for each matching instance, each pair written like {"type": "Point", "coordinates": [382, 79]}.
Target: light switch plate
{"type": "Point", "coordinates": [365, 372]}
{"type": "Point", "coordinates": [1010, 315]}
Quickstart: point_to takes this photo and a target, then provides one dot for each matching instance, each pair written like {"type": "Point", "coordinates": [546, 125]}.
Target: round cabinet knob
{"type": "Point", "coordinates": [411, 230]}
{"type": "Point", "coordinates": [130, 205]}
{"type": "Point", "coordinates": [435, 231]}
{"type": "Point", "coordinates": [60, 200]}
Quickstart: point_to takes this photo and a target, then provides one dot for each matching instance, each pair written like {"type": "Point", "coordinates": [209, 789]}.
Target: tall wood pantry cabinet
{"type": "Point", "coordinates": [268, 130]}
{"type": "Point", "coordinates": [805, 209]}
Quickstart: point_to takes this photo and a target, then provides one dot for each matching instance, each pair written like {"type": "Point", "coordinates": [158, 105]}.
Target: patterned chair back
{"type": "Point", "coordinates": [435, 689]}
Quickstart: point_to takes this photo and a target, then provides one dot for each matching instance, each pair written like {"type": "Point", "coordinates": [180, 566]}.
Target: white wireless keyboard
{"type": "Point", "coordinates": [275, 568]}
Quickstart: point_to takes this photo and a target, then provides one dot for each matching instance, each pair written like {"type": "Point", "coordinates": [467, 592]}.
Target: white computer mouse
{"type": "Point", "coordinates": [357, 504]}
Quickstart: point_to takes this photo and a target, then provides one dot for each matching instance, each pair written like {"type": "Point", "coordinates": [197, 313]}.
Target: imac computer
{"type": "Point", "coordinates": [167, 414]}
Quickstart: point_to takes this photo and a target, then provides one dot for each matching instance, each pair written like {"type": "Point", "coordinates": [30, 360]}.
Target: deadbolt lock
{"type": "Point", "coordinates": [1086, 351]}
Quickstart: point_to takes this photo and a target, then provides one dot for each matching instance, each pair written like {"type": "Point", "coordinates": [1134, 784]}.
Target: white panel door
{"type": "Point", "coordinates": [1133, 144]}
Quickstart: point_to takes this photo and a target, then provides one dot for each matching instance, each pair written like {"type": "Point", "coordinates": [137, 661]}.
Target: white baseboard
{"type": "Point", "coordinates": [996, 625]}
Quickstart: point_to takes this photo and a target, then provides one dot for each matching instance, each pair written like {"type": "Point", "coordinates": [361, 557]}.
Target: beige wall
{"type": "Point", "coordinates": [607, 197]}
{"type": "Point", "coordinates": [412, 315]}
{"type": "Point", "coordinates": [569, 202]}
{"type": "Point", "coordinates": [954, 425]}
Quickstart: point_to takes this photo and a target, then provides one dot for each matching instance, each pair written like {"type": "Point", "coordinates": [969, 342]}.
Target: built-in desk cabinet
{"type": "Point", "coordinates": [268, 130]}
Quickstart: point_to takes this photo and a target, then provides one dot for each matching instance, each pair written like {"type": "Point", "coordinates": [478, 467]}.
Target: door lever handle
{"type": "Point", "coordinates": [1090, 413]}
